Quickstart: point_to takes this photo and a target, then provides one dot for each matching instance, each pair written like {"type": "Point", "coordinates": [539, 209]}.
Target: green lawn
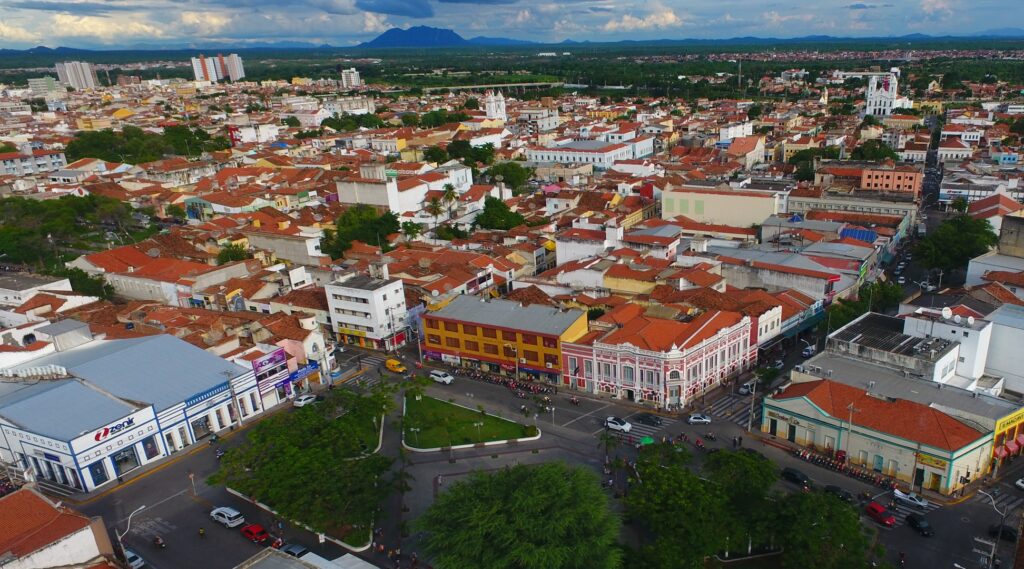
{"type": "Point", "coordinates": [442, 424]}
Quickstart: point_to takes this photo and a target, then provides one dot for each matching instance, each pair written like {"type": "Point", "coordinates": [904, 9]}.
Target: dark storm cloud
{"type": "Point", "coordinates": [82, 8]}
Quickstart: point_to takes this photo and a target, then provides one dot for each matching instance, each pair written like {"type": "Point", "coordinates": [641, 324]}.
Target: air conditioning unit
{"type": "Point", "coordinates": [548, 365]}
{"type": "Point", "coordinates": [522, 360]}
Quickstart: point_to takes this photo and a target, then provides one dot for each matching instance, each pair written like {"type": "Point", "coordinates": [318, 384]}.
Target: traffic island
{"type": "Point", "coordinates": [431, 425]}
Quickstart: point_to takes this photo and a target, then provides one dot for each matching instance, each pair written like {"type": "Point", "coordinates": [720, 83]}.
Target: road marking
{"type": "Point", "coordinates": [587, 415]}
{"type": "Point", "coordinates": [171, 497]}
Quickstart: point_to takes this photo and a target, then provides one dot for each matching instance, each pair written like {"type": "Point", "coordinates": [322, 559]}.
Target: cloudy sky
{"type": "Point", "coordinates": [111, 23]}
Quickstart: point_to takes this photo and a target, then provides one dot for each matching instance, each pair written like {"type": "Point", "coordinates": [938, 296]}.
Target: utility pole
{"type": "Point", "coordinates": [120, 536]}
{"type": "Point", "coordinates": [849, 429]}
{"type": "Point", "coordinates": [995, 542]}
{"type": "Point", "coordinates": [753, 397]}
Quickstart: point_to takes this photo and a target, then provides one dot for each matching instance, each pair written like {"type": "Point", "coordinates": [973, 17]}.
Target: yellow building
{"type": "Point", "coordinates": [93, 123]}
{"type": "Point", "coordinates": [501, 336]}
{"type": "Point", "coordinates": [791, 147]}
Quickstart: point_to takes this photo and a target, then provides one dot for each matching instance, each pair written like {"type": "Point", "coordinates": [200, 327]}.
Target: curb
{"type": "Point", "coordinates": [470, 445]}
{"type": "Point", "coordinates": [340, 543]}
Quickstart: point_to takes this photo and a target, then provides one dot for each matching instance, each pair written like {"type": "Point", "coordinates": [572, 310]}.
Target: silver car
{"type": "Point", "coordinates": [699, 420]}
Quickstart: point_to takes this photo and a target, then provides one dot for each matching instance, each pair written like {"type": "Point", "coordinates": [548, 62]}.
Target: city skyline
{"type": "Point", "coordinates": [156, 23]}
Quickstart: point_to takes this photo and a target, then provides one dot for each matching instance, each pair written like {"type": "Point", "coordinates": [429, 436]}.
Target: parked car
{"type": "Point", "coordinates": [901, 280]}
{"type": "Point", "coordinates": [306, 399]}
{"type": "Point", "coordinates": [228, 517]}
{"type": "Point", "coordinates": [1019, 483]}
{"type": "Point", "coordinates": [839, 493]}
{"type": "Point", "coordinates": [295, 550]}
{"type": "Point", "coordinates": [747, 388]}
{"type": "Point", "coordinates": [698, 419]}
{"type": "Point", "coordinates": [911, 499]}
{"type": "Point", "coordinates": [442, 377]}
{"type": "Point", "coordinates": [617, 424]}
{"type": "Point", "coordinates": [877, 512]}
{"type": "Point", "coordinates": [920, 525]}
{"type": "Point", "coordinates": [796, 477]}
{"type": "Point", "coordinates": [255, 533]}
{"type": "Point", "coordinates": [134, 560]}
{"type": "Point", "coordinates": [1005, 533]}
{"type": "Point", "coordinates": [778, 364]}
{"type": "Point", "coordinates": [809, 351]}
{"type": "Point", "coordinates": [395, 366]}
{"type": "Point", "coordinates": [649, 419]}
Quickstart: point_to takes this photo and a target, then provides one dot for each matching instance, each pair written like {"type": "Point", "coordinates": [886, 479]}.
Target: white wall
{"type": "Point", "coordinates": [76, 549]}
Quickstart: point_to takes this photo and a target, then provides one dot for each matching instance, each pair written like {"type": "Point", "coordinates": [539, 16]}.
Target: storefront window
{"type": "Point", "coordinates": [150, 448]}
{"type": "Point", "coordinates": [201, 427]}
{"type": "Point", "coordinates": [125, 460]}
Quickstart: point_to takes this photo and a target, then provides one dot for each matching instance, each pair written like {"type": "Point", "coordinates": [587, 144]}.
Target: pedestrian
{"type": "Point", "coordinates": [440, 480]}
{"type": "Point", "coordinates": [391, 554]}
{"type": "Point", "coordinates": [741, 441]}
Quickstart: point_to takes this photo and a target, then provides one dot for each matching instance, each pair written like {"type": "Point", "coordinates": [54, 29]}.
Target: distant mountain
{"type": "Point", "coordinates": [482, 40]}
{"type": "Point", "coordinates": [417, 36]}
{"type": "Point", "coordinates": [1002, 33]}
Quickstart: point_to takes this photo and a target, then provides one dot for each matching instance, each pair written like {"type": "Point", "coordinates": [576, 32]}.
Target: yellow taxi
{"type": "Point", "coordinates": [395, 366]}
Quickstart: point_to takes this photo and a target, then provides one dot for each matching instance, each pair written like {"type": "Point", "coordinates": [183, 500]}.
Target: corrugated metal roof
{"type": "Point", "coordinates": [62, 409]}
{"type": "Point", "coordinates": [535, 318]}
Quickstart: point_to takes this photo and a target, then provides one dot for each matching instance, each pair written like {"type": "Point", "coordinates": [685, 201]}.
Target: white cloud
{"type": "Point", "coordinates": [774, 18]}
{"type": "Point", "coordinates": [105, 29]}
{"type": "Point", "coordinates": [15, 34]}
{"type": "Point", "coordinates": [660, 17]}
{"type": "Point", "coordinates": [375, 23]}
{"type": "Point", "coordinates": [522, 17]}
{"type": "Point", "coordinates": [204, 24]}
{"type": "Point", "coordinates": [937, 8]}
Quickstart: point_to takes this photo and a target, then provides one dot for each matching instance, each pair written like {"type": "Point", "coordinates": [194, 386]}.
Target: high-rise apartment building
{"type": "Point", "coordinates": [42, 85]}
{"type": "Point", "coordinates": [350, 79]}
{"type": "Point", "coordinates": [217, 68]}
{"type": "Point", "coordinates": [77, 74]}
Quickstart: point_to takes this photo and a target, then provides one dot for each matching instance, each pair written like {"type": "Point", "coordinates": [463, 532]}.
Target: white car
{"type": "Point", "coordinates": [699, 420]}
{"type": "Point", "coordinates": [902, 280]}
{"type": "Point", "coordinates": [442, 377]}
{"type": "Point", "coordinates": [617, 424]}
{"type": "Point", "coordinates": [1019, 483]}
{"type": "Point", "coordinates": [228, 517]}
{"type": "Point", "coordinates": [303, 400]}
{"type": "Point", "coordinates": [911, 499]}
{"type": "Point", "coordinates": [134, 560]}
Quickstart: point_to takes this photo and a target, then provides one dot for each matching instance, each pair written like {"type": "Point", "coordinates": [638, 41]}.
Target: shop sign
{"type": "Point", "coordinates": [303, 371]}
{"type": "Point", "coordinates": [200, 397]}
{"type": "Point", "coordinates": [51, 457]}
{"type": "Point", "coordinates": [447, 358]}
{"type": "Point", "coordinates": [1010, 420]}
{"type": "Point", "coordinates": [350, 332]}
{"type": "Point", "coordinates": [273, 359]}
{"type": "Point", "coordinates": [931, 461]}
{"type": "Point", "coordinates": [113, 429]}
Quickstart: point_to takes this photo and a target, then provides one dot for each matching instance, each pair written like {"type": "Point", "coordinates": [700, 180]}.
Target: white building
{"type": "Point", "coordinates": [97, 409]}
{"type": "Point", "coordinates": [38, 162]}
{"type": "Point", "coordinates": [368, 310]}
{"type": "Point", "coordinates": [882, 95]}
{"type": "Point", "coordinates": [77, 74]}
{"type": "Point", "coordinates": [350, 79]}
{"type": "Point", "coordinates": [205, 69]}
{"type": "Point", "coordinates": [231, 66]}
{"type": "Point", "coordinates": [494, 106]}
{"type": "Point", "coordinates": [214, 69]}
{"type": "Point", "coordinates": [602, 155]}
{"type": "Point", "coordinates": [358, 105]}
{"type": "Point", "coordinates": [16, 288]}
{"type": "Point", "coordinates": [736, 130]}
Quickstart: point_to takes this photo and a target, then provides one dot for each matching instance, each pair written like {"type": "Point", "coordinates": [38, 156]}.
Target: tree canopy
{"type": "Point", "coordinates": [955, 242]}
{"type": "Point", "coordinates": [878, 296]}
{"type": "Point", "coordinates": [349, 123]}
{"type": "Point", "coordinates": [470, 155]}
{"type": "Point", "coordinates": [513, 174]}
{"type": "Point", "coordinates": [435, 154]}
{"type": "Point", "coordinates": [359, 223]}
{"type": "Point", "coordinates": [135, 146]}
{"type": "Point", "coordinates": [439, 117]}
{"type": "Point", "coordinates": [874, 150]}
{"type": "Point", "coordinates": [312, 465]}
{"type": "Point", "coordinates": [497, 215]}
{"type": "Point", "coordinates": [231, 253]}
{"type": "Point", "coordinates": [292, 122]}
{"type": "Point", "coordinates": [549, 516]}
{"type": "Point", "coordinates": [820, 531]}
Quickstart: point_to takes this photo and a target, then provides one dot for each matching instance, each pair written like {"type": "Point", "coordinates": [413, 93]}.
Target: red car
{"type": "Point", "coordinates": [255, 533]}
{"type": "Point", "coordinates": [878, 513]}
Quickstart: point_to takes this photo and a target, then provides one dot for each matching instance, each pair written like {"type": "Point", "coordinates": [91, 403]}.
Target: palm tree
{"type": "Point", "coordinates": [435, 209]}
{"type": "Point", "coordinates": [449, 198]}
{"type": "Point", "coordinates": [608, 441]}
{"type": "Point", "coordinates": [411, 230]}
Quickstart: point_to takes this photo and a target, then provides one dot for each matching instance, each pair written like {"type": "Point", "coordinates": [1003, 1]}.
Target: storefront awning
{"type": "Point", "coordinates": [1001, 452]}
{"type": "Point", "coordinates": [1020, 439]}
{"type": "Point", "coordinates": [1012, 446]}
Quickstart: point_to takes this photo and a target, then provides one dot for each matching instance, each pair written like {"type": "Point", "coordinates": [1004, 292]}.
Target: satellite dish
{"type": "Point", "coordinates": [947, 313]}
{"type": "Point", "coordinates": [970, 321]}
{"type": "Point", "coordinates": [957, 319]}
{"type": "Point", "coordinates": [153, 252]}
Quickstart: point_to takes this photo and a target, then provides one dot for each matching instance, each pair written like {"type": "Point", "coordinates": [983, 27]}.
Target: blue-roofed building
{"type": "Point", "coordinates": [96, 409]}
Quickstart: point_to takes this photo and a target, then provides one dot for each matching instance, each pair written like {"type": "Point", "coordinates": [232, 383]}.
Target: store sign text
{"type": "Point", "coordinates": [113, 429]}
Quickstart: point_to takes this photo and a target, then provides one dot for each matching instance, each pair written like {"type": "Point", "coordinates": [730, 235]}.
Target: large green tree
{"type": "Point", "coordinates": [359, 223]}
{"type": "Point", "coordinates": [874, 150]}
{"type": "Point", "coordinates": [513, 174]}
{"type": "Point", "coordinates": [497, 215]}
{"type": "Point", "coordinates": [817, 530]}
{"type": "Point", "coordinates": [679, 514]}
{"type": "Point", "coordinates": [231, 253]}
{"type": "Point", "coordinates": [746, 478]}
{"type": "Point", "coordinates": [550, 516]}
{"type": "Point", "coordinates": [315, 465]}
{"type": "Point", "coordinates": [955, 242]}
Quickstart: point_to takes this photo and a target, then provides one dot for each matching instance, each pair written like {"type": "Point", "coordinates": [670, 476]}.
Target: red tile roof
{"type": "Point", "coordinates": [905, 419]}
{"type": "Point", "coordinates": [29, 522]}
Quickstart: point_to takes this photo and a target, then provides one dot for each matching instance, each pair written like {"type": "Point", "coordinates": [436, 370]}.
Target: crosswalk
{"type": "Point", "coordinates": [640, 430]}
{"type": "Point", "coordinates": [1006, 501]}
{"type": "Point", "coordinates": [734, 408]}
{"type": "Point", "coordinates": [901, 510]}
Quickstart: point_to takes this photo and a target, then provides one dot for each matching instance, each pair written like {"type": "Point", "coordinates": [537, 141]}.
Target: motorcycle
{"type": "Point", "coordinates": [159, 542]}
{"type": "Point", "coordinates": [220, 452]}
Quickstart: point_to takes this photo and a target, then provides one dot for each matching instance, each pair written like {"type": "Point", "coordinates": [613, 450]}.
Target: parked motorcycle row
{"type": "Point", "coordinates": [852, 471]}
{"type": "Point", "coordinates": [513, 385]}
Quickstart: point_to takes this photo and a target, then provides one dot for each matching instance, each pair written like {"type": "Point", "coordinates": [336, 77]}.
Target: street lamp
{"type": "Point", "coordinates": [415, 431]}
{"type": "Point", "coordinates": [515, 350]}
{"type": "Point", "coordinates": [120, 536]}
{"type": "Point", "coordinates": [1002, 522]}
{"type": "Point", "coordinates": [849, 430]}
{"type": "Point", "coordinates": [478, 424]}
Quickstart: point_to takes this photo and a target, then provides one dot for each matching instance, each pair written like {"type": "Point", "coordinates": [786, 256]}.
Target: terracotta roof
{"type": "Point", "coordinates": [660, 334]}
{"type": "Point", "coordinates": [531, 295]}
{"type": "Point", "coordinates": [29, 522]}
{"type": "Point", "coordinates": [1005, 277]}
{"type": "Point", "coordinates": [996, 204]}
{"type": "Point", "coordinates": [905, 419]}
{"type": "Point", "coordinates": [314, 297]}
